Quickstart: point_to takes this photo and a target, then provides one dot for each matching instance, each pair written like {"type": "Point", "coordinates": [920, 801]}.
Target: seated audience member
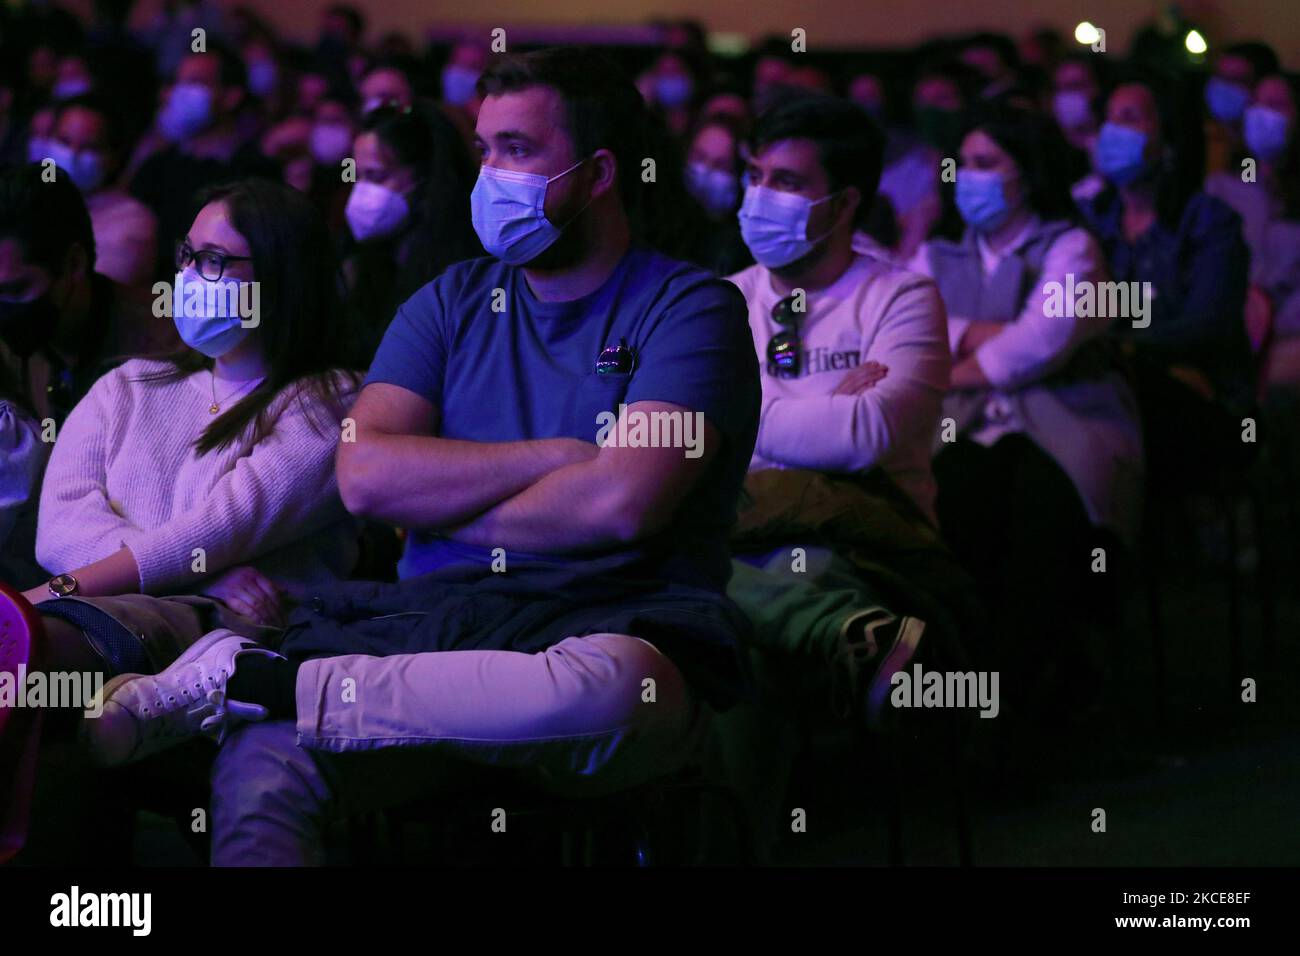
{"type": "Point", "coordinates": [1048, 443]}
{"type": "Point", "coordinates": [712, 177]}
{"type": "Point", "coordinates": [224, 451]}
{"type": "Point", "coordinates": [477, 430]}
{"type": "Point", "coordinates": [854, 366]}
{"type": "Point", "coordinates": [1191, 359]}
{"type": "Point", "coordinates": [995, 59]}
{"type": "Point", "coordinates": [40, 134]}
{"type": "Point", "coordinates": [385, 84]}
{"type": "Point", "coordinates": [407, 213]}
{"type": "Point", "coordinates": [459, 78]}
{"type": "Point", "coordinates": [1076, 106]}
{"type": "Point", "coordinates": [1227, 93]}
{"type": "Point", "coordinates": [801, 206]}
{"type": "Point", "coordinates": [61, 324]}
{"type": "Point", "coordinates": [1269, 205]}
{"type": "Point", "coordinates": [911, 176]}
{"type": "Point", "coordinates": [204, 145]}
{"type": "Point", "coordinates": [267, 71]}
{"type": "Point", "coordinates": [88, 143]}
{"type": "Point", "coordinates": [672, 87]}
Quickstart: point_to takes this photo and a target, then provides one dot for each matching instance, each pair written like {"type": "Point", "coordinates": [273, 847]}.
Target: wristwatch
{"type": "Point", "coordinates": [63, 585]}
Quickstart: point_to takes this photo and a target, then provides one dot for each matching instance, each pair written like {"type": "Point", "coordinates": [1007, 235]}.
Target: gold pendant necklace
{"type": "Point", "coordinates": [216, 406]}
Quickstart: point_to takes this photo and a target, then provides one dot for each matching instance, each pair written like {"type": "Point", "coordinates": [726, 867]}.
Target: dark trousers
{"type": "Point", "coordinates": [1015, 520]}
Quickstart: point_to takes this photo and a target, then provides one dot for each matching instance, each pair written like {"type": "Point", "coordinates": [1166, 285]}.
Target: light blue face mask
{"type": "Point", "coordinates": [1266, 132]}
{"type": "Point", "coordinates": [73, 86]}
{"type": "Point", "coordinates": [263, 77]}
{"type": "Point", "coordinates": [716, 189]}
{"type": "Point", "coordinates": [38, 149]}
{"type": "Point", "coordinates": [673, 90]}
{"type": "Point", "coordinates": [207, 313]}
{"type": "Point", "coordinates": [188, 111]}
{"type": "Point", "coordinates": [84, 168]}
{"type": "Point", "coordinates": [458, 84]}
{"type": "Point", "coordinates": [509, 213]}
{"type": "Point", "coordinates": [774, 225]}
{"type": "Point", "coordinates": [1072, 109]}
{"type": "Point", "coordinates": [1226, 101]}
{"type": "Point", "coordinates": [1121, 153]}
{"type": "Point", "coordinates": [982, 199]}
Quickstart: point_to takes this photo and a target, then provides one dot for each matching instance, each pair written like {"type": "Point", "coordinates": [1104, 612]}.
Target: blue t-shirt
{"type": "Point", "coordinates": [528, 371]}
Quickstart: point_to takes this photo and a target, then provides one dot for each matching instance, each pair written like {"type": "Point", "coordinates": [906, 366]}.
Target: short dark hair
{"type": "Point", "coordinates": [119, 138]}
{"type": "Point", "coordinates": [849, 144]}
{"type": "Point", "coordinates": [602, 107]}
{"type": "Point", "coordinates": [231, 66]}
{"type": "Point", "coordinates": [999, 43]}
{"type": "Point", "coordinates": [46, 218]}
{"type": "Point", "coordinates": [1260, 56]}
{"type": "Point", "coordinates": [356, 20]}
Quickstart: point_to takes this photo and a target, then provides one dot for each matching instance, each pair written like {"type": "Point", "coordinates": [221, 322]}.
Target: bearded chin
{"type": "Point", "coordinates": [568, 249]}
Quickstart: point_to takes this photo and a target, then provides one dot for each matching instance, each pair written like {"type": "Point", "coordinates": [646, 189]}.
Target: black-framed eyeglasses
{"type": "Point", "coordinates": [210, 265]}
{"type": "Point", "coordinates": [785, 349]}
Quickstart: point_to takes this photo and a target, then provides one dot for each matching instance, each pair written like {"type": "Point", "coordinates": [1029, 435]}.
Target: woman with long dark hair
{"type": "Point", "coordinates": [1046, 448]}
{"type": "Point", "coordinates": [207, 476]}
{"type": "Point", "coordinates": [408, 213]}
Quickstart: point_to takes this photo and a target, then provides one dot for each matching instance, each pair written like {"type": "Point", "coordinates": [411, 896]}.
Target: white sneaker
{"type": "Point", "coordinates": [144, 714]}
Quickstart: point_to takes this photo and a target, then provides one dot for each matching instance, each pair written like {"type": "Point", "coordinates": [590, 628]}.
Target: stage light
{"type": "Point", "coordinates": [1195, 43]}
{"type": "Point", "coordinates": [1086, 33]}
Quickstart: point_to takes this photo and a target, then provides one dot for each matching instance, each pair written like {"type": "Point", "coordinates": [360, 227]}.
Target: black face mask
{"type": "Point", "coordinates": [26, 326]}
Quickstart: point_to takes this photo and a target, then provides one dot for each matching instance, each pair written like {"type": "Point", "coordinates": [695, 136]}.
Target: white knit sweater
{"type": "Point", "coordinates": [124, 472]}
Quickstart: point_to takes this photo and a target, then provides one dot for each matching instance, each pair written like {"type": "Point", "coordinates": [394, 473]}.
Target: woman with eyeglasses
{"type": "Point", "coordinates": [206, 477]}
{"type": "Point", "coordinates": [1042, 446]}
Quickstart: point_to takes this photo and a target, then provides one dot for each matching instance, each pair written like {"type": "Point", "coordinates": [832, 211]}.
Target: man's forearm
{"type": "Point", "coordinates": [572, 509]}
{"type": "Point", "coordinates": [428, 483]}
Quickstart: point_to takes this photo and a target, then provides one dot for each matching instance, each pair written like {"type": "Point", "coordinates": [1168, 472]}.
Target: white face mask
{"type": "Point", "coordinates": [375, 212]}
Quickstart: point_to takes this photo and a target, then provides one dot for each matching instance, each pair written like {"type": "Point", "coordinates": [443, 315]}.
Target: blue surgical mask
{"type": "Point", "coordinates": [67, 89]}
{"type": "Point", "coordinates": [1072, 109]}
{"type": "Point", "coordinates": [263, 77]}
{"type": "Point", "coordinates": [1227, 101]}
{"type": "Point", "coordinates": [1266, 132]}
{"type": "Point", "coordinates": [38, 148]}
{"type": "Point", "coordinates": [673, 90]}
{"type": "Point", "coordinates": [716, 190]}
{"type": "Point", "coordinates": [84, 168]}
{"type": "Point", "coordinates": [458, 84]}
{"type": "Point", "coordinates": [188, 111]}
{"type": "Point", "coordinates": [982, 199]}
{"type": "Point", "coordinates": [509, 212]}
{"type": "Point", "coordinates": [774, 225]}
{"type": "Point", "coordinates": [1121, 153]}
{"type": "Point", "coordinates": [207, 313]}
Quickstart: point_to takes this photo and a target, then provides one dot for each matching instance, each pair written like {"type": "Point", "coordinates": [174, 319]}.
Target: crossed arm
{"type": "Point", "coordinates": [551, 495]}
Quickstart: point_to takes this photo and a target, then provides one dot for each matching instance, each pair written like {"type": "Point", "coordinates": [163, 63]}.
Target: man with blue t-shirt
{"type": "Point", "coordinates": [564, 430]}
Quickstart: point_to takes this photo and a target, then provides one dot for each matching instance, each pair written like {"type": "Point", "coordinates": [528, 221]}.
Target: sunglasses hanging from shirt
{"type": "Point", "coordinates": [785, 349]}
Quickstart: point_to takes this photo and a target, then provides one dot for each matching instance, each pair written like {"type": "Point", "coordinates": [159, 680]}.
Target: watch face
{"type": "Point", "coordinates": [63, 584]}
